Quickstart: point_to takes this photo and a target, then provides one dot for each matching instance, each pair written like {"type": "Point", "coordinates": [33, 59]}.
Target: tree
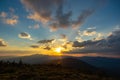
{"type": "Point", "coordinates": [20, 62]}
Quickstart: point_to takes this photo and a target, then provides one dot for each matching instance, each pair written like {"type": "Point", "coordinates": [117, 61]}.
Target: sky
{"type": "Point", "coordinates": [60, 27]}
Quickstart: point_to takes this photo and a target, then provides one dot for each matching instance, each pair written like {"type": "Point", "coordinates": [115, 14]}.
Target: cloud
{"type": "Point", "coordinates": [53, 27]}
{"type": "Point", "coordinates": [79, 39]}
{"type": "Point", "coordinates": [82, 17]}
{"type": "Point", "coordinates": [89, 32]}
{"type": "Point", "coordinates": [46, 41]}
{"type": "Point", "coordinates": [99, 36]}
{"type": "Point", "coordinates": [63, 36]}
{"type": "Point", "coordinates": [114, 39]}
{"type": "Point", "coordinates": [11, 21]}
{"type": "Point", "coordinates": [63, 19]}
{"type": "Point", "coordinates": [52, 12]}
{"type": "Point", "coordinates": [68, 45]}
{"type": "Point", "coordinates": [34, 46]}
{"type": "Point", "coordinates": [36, 26]}
{"type": "Point", "coordinates": [10, 18]}
{"type": "Point", "coordinates": [42, 9]}
{"type": "Point", "coordinates": [3, 14]}
{"type": "Point", "coordinates": [47, 48]}
{"type": "Point", "coordinates": [79, 36]}
{"type": "Point", "coordinates": [35, 16]}
{"type": "Point", "coordinates": [2, 43]}
{"type": "Point", "coordinates": [111, 44]}
{"type": "Point", "coordinates": [11, 10]}
{"type": "Point", "coordinates": [25, 35]}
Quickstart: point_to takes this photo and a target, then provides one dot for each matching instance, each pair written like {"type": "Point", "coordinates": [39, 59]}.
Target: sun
{"type": "Point", "coordinates": [58, 50]}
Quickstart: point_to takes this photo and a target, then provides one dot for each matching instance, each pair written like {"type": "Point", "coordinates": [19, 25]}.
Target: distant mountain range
{"type": "Point", "coordinates": [32, 59]}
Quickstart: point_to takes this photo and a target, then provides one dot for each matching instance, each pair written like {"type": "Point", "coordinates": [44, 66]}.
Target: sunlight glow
{"type": "Point", "coordinates": [58, 50]}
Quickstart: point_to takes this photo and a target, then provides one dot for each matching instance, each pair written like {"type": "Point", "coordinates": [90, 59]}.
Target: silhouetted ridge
{"type": "Point", "coordinates": [77, 64]}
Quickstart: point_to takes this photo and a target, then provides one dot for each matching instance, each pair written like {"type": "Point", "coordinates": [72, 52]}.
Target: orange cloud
{"type": "Point", "coordinates": [12, 20]}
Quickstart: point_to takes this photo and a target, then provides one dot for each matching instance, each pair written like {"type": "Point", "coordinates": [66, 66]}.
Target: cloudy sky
{"type": "Point", "coordinates": [55, 27]}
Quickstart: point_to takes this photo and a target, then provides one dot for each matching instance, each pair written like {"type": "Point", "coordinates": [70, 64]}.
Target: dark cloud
{"type": "Point", "coordinates": [63, 36]}
{"type": "Point", "coordinates": [114, 39]}
{"type": "Point", "coordinates": [111, 44]}
{"type": "Point", "coordinates": [46, 41]}
{"type": "Point", "coordinates": [63, 19]}
{"type": "Point", "coordinates": [42, 9]}
{"type": "Point", "coordinates": [25, 35]}
{"type": "Point", "coordinates": [47, 48]}
{"type": "Point", "coordinates": [2, 43]}
{"type": "Point", "coordinates": [67, 44]}
{"type": "Point", "coordinates": [82, 17]}
{"type": "Point", "coordinates": [34, 46]}
{"type": "Point", "coordinates": [91, 44]}
{"type": "Point", "coordinates": [53, 27]}
{"type": "Point", "coordinates": [52, 12]}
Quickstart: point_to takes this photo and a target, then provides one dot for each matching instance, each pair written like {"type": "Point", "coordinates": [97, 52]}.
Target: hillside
{"type": "Point", "coordinates": [61, 69]}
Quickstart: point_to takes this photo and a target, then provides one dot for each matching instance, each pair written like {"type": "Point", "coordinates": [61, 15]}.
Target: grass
{"type": "Point", "coordinates": [20, 71]}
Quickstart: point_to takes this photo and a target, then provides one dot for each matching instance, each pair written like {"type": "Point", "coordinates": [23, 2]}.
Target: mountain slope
{"type": "Point", "coordinates": [77, 64]}
{"type": "Point", "coordinates": [111, 65]}
{"type": "Point", "coordinates": [49, 71]}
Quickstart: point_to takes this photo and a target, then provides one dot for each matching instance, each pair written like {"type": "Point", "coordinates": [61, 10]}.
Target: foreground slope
{"type": "Point", "coordinates": [61, 69]}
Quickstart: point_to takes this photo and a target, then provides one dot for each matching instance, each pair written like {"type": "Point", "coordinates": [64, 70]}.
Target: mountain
{"type": "Point", "coordinates": [32, 59]}
{"type": "Point", "coordinates": [48, 71]}
{"type": "Point", "coordinates": [68, 62]}
{"type": "Point", "coordinates": [52, 68]}
{"type": "Point", "coordinates": [74, 63]}
{"type": "Point", "coordinates": [111, 65]}
{"type": "Point", "coordinates": [100, 62]}
{"type": "Point", "coordinates": [6, 57]}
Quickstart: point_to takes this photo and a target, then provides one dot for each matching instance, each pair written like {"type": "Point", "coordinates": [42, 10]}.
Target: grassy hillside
{"type": "Point", "coordinates": [49, 71]}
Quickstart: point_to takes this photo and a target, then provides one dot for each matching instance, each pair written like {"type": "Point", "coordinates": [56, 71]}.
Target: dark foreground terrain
{"type": "Point", "coordinates": [64, 69]}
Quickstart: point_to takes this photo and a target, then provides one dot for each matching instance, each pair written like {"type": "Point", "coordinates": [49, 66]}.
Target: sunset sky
{"type": "Point", "coordinates": [55, 27]}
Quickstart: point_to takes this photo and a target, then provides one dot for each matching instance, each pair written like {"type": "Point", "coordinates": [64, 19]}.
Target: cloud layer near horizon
{"type": "Point", "coordinates": [111, 44]}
